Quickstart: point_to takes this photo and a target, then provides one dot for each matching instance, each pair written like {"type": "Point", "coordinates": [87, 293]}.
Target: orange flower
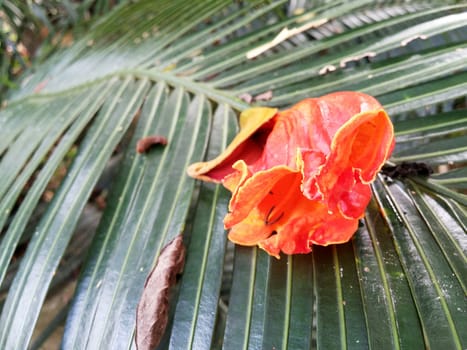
{"type": "Point", "coordinates": [301, 176]}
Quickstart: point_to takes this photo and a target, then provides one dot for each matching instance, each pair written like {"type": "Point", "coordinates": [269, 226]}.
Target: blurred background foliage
{"type": "Point", "coordinates": [83, 217]}
{"type": "Point", "coordinates": [32, 30]}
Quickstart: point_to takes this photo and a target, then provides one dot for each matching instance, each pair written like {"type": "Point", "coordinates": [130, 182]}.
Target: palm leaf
{"type": "Point", "coordinates": [176, 69]}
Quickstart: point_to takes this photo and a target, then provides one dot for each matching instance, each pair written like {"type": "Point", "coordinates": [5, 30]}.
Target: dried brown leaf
{"type": "Point", "coordinates": [153, 307]}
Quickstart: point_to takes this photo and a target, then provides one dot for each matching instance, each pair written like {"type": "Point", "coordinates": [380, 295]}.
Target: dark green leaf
{"type": "Point", "coordinates": [161, 68]}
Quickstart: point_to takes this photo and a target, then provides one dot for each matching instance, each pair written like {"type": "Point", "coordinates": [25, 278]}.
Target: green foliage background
{"type": "Point", "coordinates": [177, 68]}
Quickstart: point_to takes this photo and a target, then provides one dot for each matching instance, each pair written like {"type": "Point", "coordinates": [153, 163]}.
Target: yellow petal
{"type": "Point", "coordinates": [243, 146]}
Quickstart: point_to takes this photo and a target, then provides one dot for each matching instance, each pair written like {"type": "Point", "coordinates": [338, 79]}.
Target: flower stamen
{"type": "Point", "coordinates": [267, 222]}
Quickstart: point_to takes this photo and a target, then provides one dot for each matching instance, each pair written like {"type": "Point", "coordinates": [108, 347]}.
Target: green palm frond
{"type": "Point", "coordinates": [177, 69]}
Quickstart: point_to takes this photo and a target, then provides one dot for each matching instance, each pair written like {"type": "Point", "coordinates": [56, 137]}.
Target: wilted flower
{"type": "Point", "coordinates": [301, 176]}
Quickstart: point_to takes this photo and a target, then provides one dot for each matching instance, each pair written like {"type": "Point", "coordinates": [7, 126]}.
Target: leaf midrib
{"type": "Point", "coordinates": [220, 96]}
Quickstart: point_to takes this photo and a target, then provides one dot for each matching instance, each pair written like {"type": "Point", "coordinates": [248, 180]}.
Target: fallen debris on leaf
{"type": "Point", "coordinates": [415, 37]}
{"type": "Point", "coordinates": [265, 96]}
{"type": "Point", "coordinates": [326, 69]}
{"type": "Point", "coordinates": [344, 62]}
{"type": "Point", "coordinates": [153, 307]}
{"type": "Point", "coordinates": [146, 143]}
{"type": "Point", "coordinates": [406, 169]}
{"type": "Point", "coordinates": [283, 35]}
{"type": "Point", "coordinates": [246, 97]}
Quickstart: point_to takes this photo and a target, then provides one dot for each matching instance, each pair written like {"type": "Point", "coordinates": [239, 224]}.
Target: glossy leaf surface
{"type": "Point", "coordinates": [176, 69]}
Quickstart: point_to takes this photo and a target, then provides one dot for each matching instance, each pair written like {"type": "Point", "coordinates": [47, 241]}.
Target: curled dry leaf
{"type": "Point", "coordinates": [147, 142]}
{"type": "Point", "coordinates": [153, 307]}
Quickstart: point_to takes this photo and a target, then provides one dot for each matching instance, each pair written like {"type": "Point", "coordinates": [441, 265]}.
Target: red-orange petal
{"type": "Point", "coordinates": [255, 190]}
{"type": "Point", "coordinates": [300, 232]}
{"type": "Point", "coordinates": [301, 176]}
{"type": "Point", "coordinates": [358, 151]}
